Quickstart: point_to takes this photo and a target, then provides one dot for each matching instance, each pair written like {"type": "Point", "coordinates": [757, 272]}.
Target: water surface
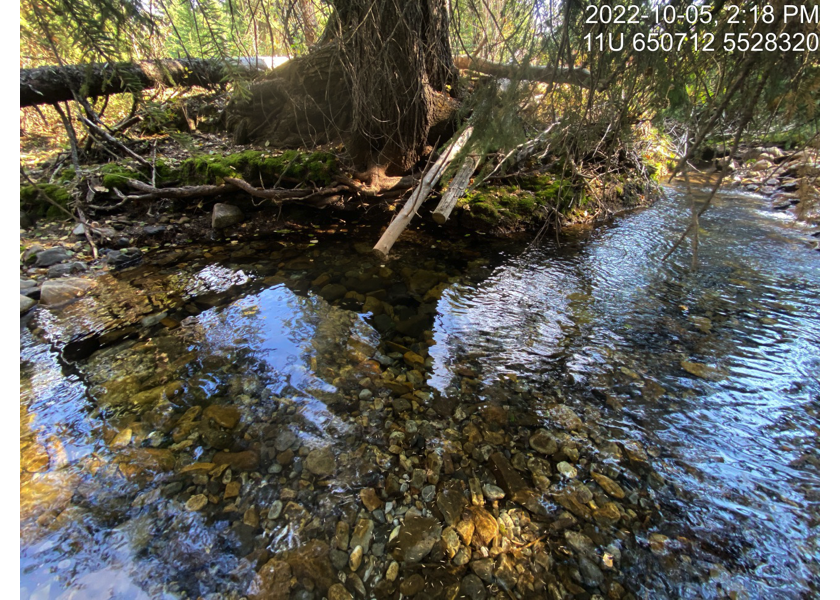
{"type": "Point", "coordinates": [292, 334]}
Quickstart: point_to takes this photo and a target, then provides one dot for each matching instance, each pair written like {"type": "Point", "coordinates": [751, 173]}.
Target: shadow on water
{"type": "Point", "coordinates": [195, 416]}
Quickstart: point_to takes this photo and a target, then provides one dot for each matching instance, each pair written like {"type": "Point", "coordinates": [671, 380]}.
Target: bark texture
{"type": "Point", "coordinates": [381, 83]}
{"type": "Point", "coordinates": [48, 85]}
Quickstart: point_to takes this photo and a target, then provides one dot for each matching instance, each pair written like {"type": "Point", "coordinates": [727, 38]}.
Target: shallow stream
{"type": "Point", "coordinates": [629, 426]}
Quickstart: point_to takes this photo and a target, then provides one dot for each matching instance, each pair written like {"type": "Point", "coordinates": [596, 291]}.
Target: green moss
{"type": "Point", "coordinates": [656, 156]}
{"type": "Point", "coordinates": [164, 171]}
{"type": "Point", "coordinates": [32, 203]}
{"type": "Point", "coordinates": [486, 210]}
{"type": "Point", "coordinates": [508, 207]}
{"type": "Point", "coordinates": [548, 189]}
{"type": "Point", "coordinates": [261, 168]}
{"type": "Point", "coordinates": [521, 204]}
{"type": "Point", "coordinates": [115, 175]}
{"type": "Point", "coordinates": [67, 175]}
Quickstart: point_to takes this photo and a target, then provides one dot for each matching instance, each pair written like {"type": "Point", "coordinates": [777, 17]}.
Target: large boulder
{"type": "Point", "coordinates": [50, 257]}
{"type": "Point", "coordinates": [225, 215]}
{"type": "Point", "coordinates": [59, 291]}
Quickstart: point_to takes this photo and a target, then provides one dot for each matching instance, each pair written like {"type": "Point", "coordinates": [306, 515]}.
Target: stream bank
{"type": "Point", "coordinates": [123, 225]}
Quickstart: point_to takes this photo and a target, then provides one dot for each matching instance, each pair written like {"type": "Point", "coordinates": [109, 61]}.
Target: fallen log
{"type": "Point", "coordinates": [421, 192]}
{"type": "Point", "coordinates": [51, 84]}
{"type": "Point", "coordinates": [194, 191]}
{"type": "Point", "coordinates": [575, 75]}
{"type": "Point", "coordinates": [232, 184]}
{"type": "Point", "coordinates": [456, 189]}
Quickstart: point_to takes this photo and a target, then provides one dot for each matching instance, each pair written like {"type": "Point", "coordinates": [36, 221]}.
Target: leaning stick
{"type": "Point", "coordinates": [456, 189]}
{"type": "Point", "coordinates": [427, 184]}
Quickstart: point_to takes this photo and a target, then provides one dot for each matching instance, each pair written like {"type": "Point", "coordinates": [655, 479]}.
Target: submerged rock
{"type": "Point", "coordinates": [333, 291]}
{"type": "Point", "coordinates": [472, 587]}
{"type": "Point", "coordinates": [339, 592]}
{"type": "Point", "coordinates": [589, 571]}
{"type": "Point", "coordinates": [505, 572]}
{"type": "Point", "coordinates": [565, 417]}
{"type": "Point", "coordinates": [412, 585]}
{"type": "Point", "coordinates": [566, 470]}
{"type": "Point", "coordinates": [701, 371]}
{"type": "Point", "coordinates": [506, 476]}
{"type": "Point", "coordinates": [415, 539]}
{"type": "Point", "coordinates": [225, 416]}
{"type": "Point", "coordinates": [492, 492]}
{"type": "Point", "coordinates": [272, 582]}
{"type": "Point", "coordinates": [370, 499]}
{"type": "Point", "coordinates": [312, 561]}
{"type": "Point", "coordinates": [197, 502]}
{"type": "Point", "coordinates": [362, 534]}
{"type": "Point", "coordinates": [451, 502]}
{"type": "Point", "coordinates": [609, 486]}
{"type": "Point", "coordinates": [356, 558]}
{"type": "Point", "coordinates": [486, 526]}
{"type": "Point", "coordinates": [543, 442]}
{"type": "Point", "coordinates": [238, 461]}
{"type": "Point", "coordinates": [483, 568]}
{"type": "Point", "coordinates": [320, 462]}
{"type": "Point", "coordinates": [341, 539]}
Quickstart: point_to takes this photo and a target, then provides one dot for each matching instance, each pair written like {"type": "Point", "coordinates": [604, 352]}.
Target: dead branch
{"type": "Point", "coordinates": [87, 228]}
{"type": "Point", "coordinates": [427, 184]}
{"type": "Point", "coordinates": [574, 76]}
{"type": "Point", "coordinates": [111, 139]}
{"type": "Point", "coordinates": [196, 191]}
{"type": "Point", "coordinates": [231, 184]}
{"type": "Point", "coordinates": [123, 199]}
{"type": "Point", "coordinates": [456, 189]}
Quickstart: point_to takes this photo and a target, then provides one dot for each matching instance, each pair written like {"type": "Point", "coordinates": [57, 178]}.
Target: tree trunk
{"type": "Point", "coordinates": [48, 85]}
{"type": "Point", "coordinates": [397, 57]}
{"type": "Point", "coordinates": [380, 85]}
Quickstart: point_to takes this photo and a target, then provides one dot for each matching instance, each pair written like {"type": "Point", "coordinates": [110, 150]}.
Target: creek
{"type": "Point", "coordinates": [607, 423]}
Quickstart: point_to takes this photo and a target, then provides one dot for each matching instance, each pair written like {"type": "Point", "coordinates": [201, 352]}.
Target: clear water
{"type": "Point", "coordinates": [596, 319]}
